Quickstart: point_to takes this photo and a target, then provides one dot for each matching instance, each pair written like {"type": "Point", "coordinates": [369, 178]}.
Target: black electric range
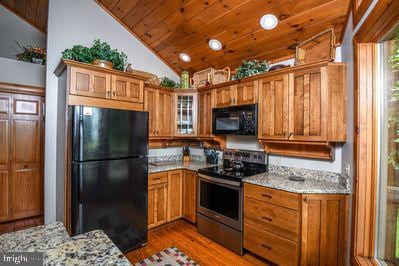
{"type": "Point", "coordinates": [226, 172]}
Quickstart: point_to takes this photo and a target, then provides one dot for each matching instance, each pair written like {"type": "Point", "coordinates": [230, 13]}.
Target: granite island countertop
{"type": "Point", "coordinates": [176, 165]}
{"type": "Point", "coordinates": [316, 182]}
{"type": "Point", "coordinates": [91, 248]}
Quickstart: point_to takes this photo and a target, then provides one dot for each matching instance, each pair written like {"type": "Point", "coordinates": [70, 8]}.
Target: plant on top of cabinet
{"type": "Point", "coordinates": [168, 83]}
{"type": "Point", "coordinates": [100, 51]}
{"type": "Point", "coordinates": [251, 67]}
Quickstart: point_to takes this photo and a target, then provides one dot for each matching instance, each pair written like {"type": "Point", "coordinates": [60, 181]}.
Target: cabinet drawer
{"type": "Point", "coordinates": [270, 246]}
{"type": "Point", "coordinates": [157, 178]}
{"type": "Point", "coordinates": [279, 220]}
{"type": "Point", "coordinates": [273, 196]}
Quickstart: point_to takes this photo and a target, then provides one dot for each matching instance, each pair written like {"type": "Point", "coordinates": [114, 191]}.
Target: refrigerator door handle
{"type": "Point", "coordinates": [80, 182]}
{"type": "Point", "coordinates": [81, 134]}
{"type": "Point", "coordinates": [80, 220]}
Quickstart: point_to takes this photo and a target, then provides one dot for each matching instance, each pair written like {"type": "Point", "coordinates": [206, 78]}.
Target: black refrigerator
{"type": "Point", "coordinates": [109, 184]}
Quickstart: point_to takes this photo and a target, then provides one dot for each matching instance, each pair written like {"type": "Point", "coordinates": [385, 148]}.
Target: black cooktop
{"type": "Point", "coordinates": [229, 173]}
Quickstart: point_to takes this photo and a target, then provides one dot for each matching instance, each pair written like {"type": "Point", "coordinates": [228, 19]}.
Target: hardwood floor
{"type": "Point", "coordinates": [185, 237]}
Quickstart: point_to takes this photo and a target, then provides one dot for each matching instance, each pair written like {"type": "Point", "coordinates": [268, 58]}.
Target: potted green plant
{"type": "Point", "coordinates": [32, 54]}
{"type": "Point", "coordinates": [100, 54]}
{"type": "Point", "coordinates": [251, 68]}
{"type": "Point", "coordinates": [167, 82]}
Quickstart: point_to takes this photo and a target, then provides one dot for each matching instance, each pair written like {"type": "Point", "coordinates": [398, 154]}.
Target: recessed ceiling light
{"type": "Point", "coordinates": [268, 21]}
{"type": "Point", "coordinates": [215, 44]}
{"type": "Point", "coordinates": [185, 57]}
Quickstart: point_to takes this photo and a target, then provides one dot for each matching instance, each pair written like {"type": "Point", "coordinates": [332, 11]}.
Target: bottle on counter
{"type": "Point", "coordinates": [186, 154]}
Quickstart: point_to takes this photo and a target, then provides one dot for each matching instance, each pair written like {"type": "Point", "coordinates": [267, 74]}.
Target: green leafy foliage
{"type": "Point", "coordinates": [167, 82]}
{"type": "Point", "coordinates": [251, 67]}
{"type": "Point", "coordinates": [99, 50]}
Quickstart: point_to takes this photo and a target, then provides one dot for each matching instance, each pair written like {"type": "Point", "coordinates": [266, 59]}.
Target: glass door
{"type": "Point", "coordinates": [185, 114]}
{"type": "Point", "coordinates": [388, 196]}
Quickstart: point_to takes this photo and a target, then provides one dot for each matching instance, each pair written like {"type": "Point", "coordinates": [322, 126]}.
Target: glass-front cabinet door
{"type": "Point", "coordinates": [186, 114]}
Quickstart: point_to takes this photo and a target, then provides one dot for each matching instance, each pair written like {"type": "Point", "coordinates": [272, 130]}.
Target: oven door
{"type": "Point", "coordinates": [220, 200]}
{"type": "Point", "coordinates": [225, 121]}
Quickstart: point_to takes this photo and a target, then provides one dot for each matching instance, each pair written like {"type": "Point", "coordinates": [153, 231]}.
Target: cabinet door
{"type": "Point", "coordinates": [324, 229]}
{"type": "Point", "coordinates": [150, 99]}
{"type": "Point", "coordinates": [164, 121]}
{"type": "Point", "coordinates": [185, 114]}
{"type": "Point", "coordinates": [157, 204]}
{"type": "Point", "coordinates": [26, 156]}
{"type": "Point", "coordinates": [205, 105]}
{"type": "Point", "coordinates": [190, 196]}
{"type": "Point", "coordinates": [90, 83]}
{"type": "Point", "coordinates": [224, 96]}
{"type": "Point", "coordinates": [127, 89]}
{"type": "Point", "coordinates": [5, 113]}
{"type": "Point", "coordinates": [308, 105]}
{"type": "Point", "coordinates": [175, 182]}
{"type": "Point", "coordinates": [273, 108]}
{"type": "Point", "coordinates": [246, 93]}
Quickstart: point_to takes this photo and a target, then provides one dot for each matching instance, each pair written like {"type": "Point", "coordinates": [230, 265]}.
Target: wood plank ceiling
{"type": "Point", "coordinates": [170, 27]}
{"type": "Point", "coordinates": [35, 12]}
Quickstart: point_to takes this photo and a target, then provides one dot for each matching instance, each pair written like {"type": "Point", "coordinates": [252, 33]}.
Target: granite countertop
{"type": "Point", "coordinates": [316, 182]}
{"type": "Point", "coordinates": [92, 248]}
{"type": "Point", "coordinates": [192, 165]}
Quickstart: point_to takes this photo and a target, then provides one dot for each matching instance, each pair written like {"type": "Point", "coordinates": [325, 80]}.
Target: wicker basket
{"type": "Point", "coordinates": [221, 75]}
{"type": "Point", "coordinates": [201, 78]}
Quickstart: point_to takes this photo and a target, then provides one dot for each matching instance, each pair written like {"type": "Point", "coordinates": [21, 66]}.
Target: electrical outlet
{"type": "Point", "coordinates": [348, 169]}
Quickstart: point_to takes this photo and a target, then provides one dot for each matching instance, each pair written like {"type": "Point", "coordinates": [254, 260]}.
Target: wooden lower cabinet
{"type": "Point", "coordinates": [157, 204]}
{"type": "Point", "coordinates": [175, 206]}
{"type": "Point", "coordinates": [21, 224]}
{"type": "Point", "coordinates": [307, 229]}
{"type": "Point", "coordinates": [190, 196]}
{"type": "Point", "coordinates": [171, 196]}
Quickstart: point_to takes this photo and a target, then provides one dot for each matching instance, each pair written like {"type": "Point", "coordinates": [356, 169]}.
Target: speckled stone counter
{"type": "Point", "coordinates": [92, 248]}
{"type": "Point", "coordinates": [316, 182]}
{"type": "Point", "coordinates": [192, 165]}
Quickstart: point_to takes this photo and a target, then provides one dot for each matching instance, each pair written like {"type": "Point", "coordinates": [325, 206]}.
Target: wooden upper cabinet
{"type": "Point", "coordinates": [273, 108]}
{"type": "Point", "coordinates": [324, 229]}
{"type": "Point", "coordinates": [185, 114]}
{"type": "Point", "coordinates": [164, 114]}
{"type": "Point", "coordinates": [245, 93]}
{"type": "Point", "coordinates": [175, 204]}
{"type": "Point", "coordinates": [159, 104]}
{"type": "Point", "coordinates": [150, 98]}
{"type": "Point", "coordinates": [85, 82]}
{"type": "Point", "coordinates": [205, 104]}
{"type": "Point", "coordinates": [5, 115]}
{"type": "Point", "coordinates": [26, 156]}
{"type": "Point", "coordinates": [224, 96]}
{"type": "Point", "coordinates": [308, 105]}
{"type": "Point", "coordinates": [127, 89]}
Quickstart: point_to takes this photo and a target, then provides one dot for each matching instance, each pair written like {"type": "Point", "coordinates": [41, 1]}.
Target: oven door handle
{"type": "Point", "coordinates": [219, 180]}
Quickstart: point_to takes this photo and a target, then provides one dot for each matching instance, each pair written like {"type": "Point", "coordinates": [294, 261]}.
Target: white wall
{"type": "Point", "coordinates": [80, 22]}
{"type": "Point", "coordinates": [19, 72]}
{"type": "Point", "coordinates": [12, 29]}
{"type": "Point", "coordinates": [347, 56]}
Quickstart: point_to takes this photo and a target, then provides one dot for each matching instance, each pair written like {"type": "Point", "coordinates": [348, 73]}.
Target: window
{"type": "Point", "coordinates": [388, 196]}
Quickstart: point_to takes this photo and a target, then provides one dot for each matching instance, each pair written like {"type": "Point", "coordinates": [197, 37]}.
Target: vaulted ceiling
{"type": "Point", "coordinates": [34, 12]}
{"type": "Point", "coordinates": [170, 27]}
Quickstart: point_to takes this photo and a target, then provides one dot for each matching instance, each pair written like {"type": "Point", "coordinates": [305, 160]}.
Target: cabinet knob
{"type": "Point", "coordinates": [267, 219]}
{"type": "Point", "coordinates": [291, 134]}
{"type": "Point", "coordinates": [266, 246]}
{"type": "Point", "coordinates": [266, 196]}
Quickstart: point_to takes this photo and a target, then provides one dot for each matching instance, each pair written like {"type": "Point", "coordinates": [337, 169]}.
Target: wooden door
{"type": "Point", "coordinates": [205, 105]}
{"type": "Point", "coordinates": [127, 89]}
{"type": "Point", "coordinates": [190, 196]}
{"type": "Point", "coordinates": [308, 105]}
{"type": "Point", "coordinates": [324, 229]}
{"type": "Point", "coordinates": [175, 185]}
{"type": "Point", "coordinates": [246, 93]}
{"type": "Point", "coordinates": [150, 99]}
{"type": "Point", "coordinates": [90, 83]}
{"type": "Point", "coordinates": [164, 113]}
{"type": "Point", "coordinates": [26, 156]}
{"type": "Point", "coordinates": [157, 204]}
{"type": "Point", "coordinates": [5, 114]}
{"type": "Point", "coordinates": [224, 96]}
{"type": "Point", "coordinates": [273, 108]}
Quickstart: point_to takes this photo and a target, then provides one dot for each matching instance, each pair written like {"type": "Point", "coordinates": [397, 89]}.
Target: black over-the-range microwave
{"type": "Point", "coordinates": [235, 120]}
